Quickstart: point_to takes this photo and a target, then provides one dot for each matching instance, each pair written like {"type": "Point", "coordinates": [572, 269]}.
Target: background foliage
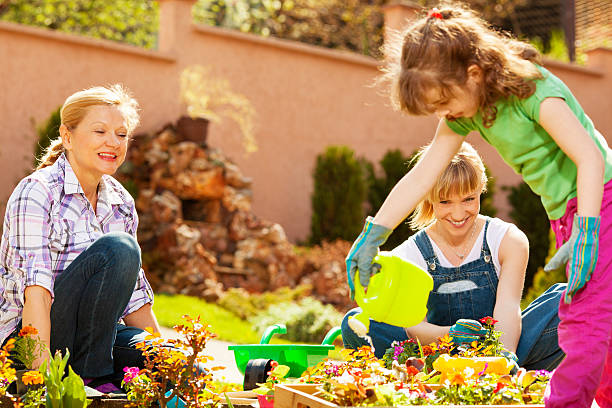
{"type": "Point", "coordinates": [48, 131]}
{"type": "Point", "coordinates": [530, 217]}
{"type": "Point", "coordinates": [340, 189]}
{"type": "Point", "coordinates": [131, 21]}
{"type": "Point", "coordinates": [354, 25]}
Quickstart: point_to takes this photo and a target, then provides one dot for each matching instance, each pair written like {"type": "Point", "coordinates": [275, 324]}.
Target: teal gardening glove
{"type": "Point", "coordinates": [581, 251]}
{"type": "Point", "coordinates": [466, 331]}
{"type": "Point", "coordinates": [363, 251]}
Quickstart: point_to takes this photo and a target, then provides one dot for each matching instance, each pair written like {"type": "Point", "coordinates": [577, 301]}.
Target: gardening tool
{"type": "Point", "coordinates": [254, 360]}
{"type": "Point", "coordinates": [397, 295]}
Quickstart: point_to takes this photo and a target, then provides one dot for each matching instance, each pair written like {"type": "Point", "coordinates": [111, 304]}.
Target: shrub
{"type": "Point", "coordinates": [543, 280]}
{"type": "Point", "coordinates": [247, 305]}
{"type": "Point", "coordinates": [307, 320]}
{"type": "Point", "coordinates": [340, 190]}
{"type": "Point", "coordinates": [529, 216]}
{"type": "Point", "coordinates": [486, 199]}
{"type": "Point", "coordinates": [394, 166]}
{"type": "Point", "coordinates": [48, 131]}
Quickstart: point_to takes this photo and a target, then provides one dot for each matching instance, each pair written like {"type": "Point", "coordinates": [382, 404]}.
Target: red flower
{"type": "Point", "coordinates": [412, 370]}
{"type": "Point", "coordinates": [488, 320]}
{"type": "Point", "coordinates": [499, 387]}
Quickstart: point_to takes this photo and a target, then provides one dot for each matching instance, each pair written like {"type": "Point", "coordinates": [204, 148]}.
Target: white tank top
{"type": "Point", "coordinates": [496, 231]}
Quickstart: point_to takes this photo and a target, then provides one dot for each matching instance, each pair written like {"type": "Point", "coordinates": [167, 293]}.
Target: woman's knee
{"type": "Point", "coordinates": [349, 337]}
{"type": "Point", "coordinates": [120, 246]}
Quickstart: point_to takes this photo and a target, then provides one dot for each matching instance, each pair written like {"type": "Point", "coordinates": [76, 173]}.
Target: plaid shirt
{"type": "Point", "coordinates": [48, 223]}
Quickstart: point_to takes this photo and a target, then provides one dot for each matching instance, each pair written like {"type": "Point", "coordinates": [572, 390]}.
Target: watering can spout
{"type": "Point", "coordinates": [360, 323]}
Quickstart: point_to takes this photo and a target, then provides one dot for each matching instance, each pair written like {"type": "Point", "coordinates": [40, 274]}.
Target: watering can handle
{"type": "Point", "coordinates": [271, 330]}
{"type": "Point", "coordinates": [331, 335]}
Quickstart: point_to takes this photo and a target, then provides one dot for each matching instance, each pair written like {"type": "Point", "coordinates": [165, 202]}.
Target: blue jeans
{"type": "Point", "coordinates": [91, 294]}
{"type": "Point", "coordinates": [538, 347]}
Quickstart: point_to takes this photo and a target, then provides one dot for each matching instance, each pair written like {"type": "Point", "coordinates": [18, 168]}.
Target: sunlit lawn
{"type": "Point", "coordinates": [169, 310]}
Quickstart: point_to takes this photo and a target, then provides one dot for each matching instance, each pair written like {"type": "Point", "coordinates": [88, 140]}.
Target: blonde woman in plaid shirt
{"type": "Point", "coordinates": [69, 260]}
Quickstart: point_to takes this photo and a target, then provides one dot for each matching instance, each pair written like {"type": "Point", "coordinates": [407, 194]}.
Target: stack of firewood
{"type": "Point", "coordinates": [198, 233]}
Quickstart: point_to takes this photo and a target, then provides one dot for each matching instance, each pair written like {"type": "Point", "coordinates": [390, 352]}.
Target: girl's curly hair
{"type": "Point", "coordinates": [435, 52]}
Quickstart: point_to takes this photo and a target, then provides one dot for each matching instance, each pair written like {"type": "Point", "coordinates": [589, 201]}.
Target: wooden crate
{"type": "Point", "coordinates": [300, 396]}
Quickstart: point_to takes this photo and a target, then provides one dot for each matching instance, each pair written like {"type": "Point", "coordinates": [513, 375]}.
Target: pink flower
{"type": "Point", "coordinates": [130, 374]}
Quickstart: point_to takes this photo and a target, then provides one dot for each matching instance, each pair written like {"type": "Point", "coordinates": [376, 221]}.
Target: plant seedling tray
{"type": "Point", "coordinates": [301, 396]}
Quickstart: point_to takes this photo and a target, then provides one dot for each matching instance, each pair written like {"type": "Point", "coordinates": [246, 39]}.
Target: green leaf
{"type": "Point", "coordinates": [74, 391]}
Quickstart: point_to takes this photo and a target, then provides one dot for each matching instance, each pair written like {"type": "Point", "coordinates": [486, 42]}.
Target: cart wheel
{"type": "Point", "coordinates": [256, 371]}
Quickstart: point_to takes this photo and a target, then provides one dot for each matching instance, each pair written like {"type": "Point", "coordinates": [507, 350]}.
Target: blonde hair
{"type": "Point", "coordinates": [464, 175]}
{"type": "Point", "coordinates": [436, 51]}
{"type": "Point", "coordinates": [75, 108]}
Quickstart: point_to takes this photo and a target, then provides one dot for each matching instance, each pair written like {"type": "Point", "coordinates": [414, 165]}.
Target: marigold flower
{"type": "Point", "coordinates": [32, 377]}
{"type": "Point", "coordinates": [427, 350]}
{"type": "Point", "coordinates": [9, 345]}
{"type": "Point", "coordinates": [28, 331]}
{"type": "Point", "coordinates": [457, 379]}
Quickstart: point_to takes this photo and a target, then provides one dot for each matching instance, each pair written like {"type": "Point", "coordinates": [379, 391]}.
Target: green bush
{"type": "Point", "coordinates": [307, 320]}
{"type": "Point", "coordinates": [247, 305]}
{"type": "Point", "coordinates": [543, 280]}
{"type": "Point", "coordinates": [486, 199]}
{"type": "Point", "coordinates": [530, 217]}
{"type": "Point", "coordinates": [394, 166]}
{"type": "Point", "coordinates": [47, 132]}
{"type": "Point", "coordinates": [340, 190]}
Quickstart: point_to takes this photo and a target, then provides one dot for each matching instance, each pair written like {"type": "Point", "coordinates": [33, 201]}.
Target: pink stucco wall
{"type": "Point", "coordinates": [306, 99]}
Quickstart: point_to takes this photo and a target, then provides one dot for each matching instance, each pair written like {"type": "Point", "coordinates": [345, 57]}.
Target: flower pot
{"type": "Point", "coordinates": [193, 130]}
{"type": "Point", "coordinates": [265, 401]}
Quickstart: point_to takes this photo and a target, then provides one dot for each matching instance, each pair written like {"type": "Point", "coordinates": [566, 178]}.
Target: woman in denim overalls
{"type": "Point", "coordinates": [466, 283]}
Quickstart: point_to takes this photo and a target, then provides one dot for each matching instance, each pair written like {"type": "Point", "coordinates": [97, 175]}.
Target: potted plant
{"type": "Point", "coordinates": [212, 98]}
{"type": "Point", "coordinates": [28, 348]}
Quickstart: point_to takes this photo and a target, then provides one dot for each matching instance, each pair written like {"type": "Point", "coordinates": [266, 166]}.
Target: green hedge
{"type": "Point", "coordinates": [340, 189]}
{"type": "Point", "coordinates": [530, 217]}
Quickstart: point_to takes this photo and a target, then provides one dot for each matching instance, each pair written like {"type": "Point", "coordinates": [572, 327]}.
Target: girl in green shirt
{"type": "Point", "coordinates": [473, 78]}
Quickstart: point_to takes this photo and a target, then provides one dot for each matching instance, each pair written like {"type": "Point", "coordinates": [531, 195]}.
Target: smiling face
{"type": "Point", "coordinates": [455, 215]}
{"type": "Point", "coordinates": [98, 144]}
{"type": "Point", "coordinates": [460, 101]}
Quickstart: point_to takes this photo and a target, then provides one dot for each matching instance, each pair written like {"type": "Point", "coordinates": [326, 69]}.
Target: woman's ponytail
{"type": "Point", "coordinates": [55, 149]}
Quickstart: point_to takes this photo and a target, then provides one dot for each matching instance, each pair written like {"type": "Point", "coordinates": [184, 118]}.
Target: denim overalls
{"type": "Point", "coordinates": [475, 283]}
{"type": "Point", "coordinates": [469, 292]}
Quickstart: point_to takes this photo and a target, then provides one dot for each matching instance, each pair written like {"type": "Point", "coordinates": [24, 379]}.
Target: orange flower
{"type": "Point", "coordinates": [32, 377]}
{"type": "Point", "coordinates": [28, 331]}
{"type": "Point", "coordinates": [457, 378]}
{"type": "Point", "coordinates": [8, 346]}
{"type": "Point", "coordinates": [427, 350]}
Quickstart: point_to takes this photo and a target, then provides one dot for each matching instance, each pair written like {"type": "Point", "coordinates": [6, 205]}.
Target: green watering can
{"type": "Point", "coordinates": [397, 295]}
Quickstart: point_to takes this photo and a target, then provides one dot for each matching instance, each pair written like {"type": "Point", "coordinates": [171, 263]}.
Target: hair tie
{"type": "Point", "coordinates": [435, 13]}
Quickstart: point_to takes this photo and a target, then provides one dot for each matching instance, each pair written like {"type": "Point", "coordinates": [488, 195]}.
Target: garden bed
{"type": "Point", "coordinates": [6, 402]}
{"type": "Point", "coordinates": [301, 396]}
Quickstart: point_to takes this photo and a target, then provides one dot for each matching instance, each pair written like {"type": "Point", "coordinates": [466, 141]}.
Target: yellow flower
{"type": "Point", "coordinates": [32, 377]}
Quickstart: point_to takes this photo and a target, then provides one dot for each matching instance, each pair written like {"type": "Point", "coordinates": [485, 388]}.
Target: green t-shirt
{"type": "Point", "coordinates": [520, 140]}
